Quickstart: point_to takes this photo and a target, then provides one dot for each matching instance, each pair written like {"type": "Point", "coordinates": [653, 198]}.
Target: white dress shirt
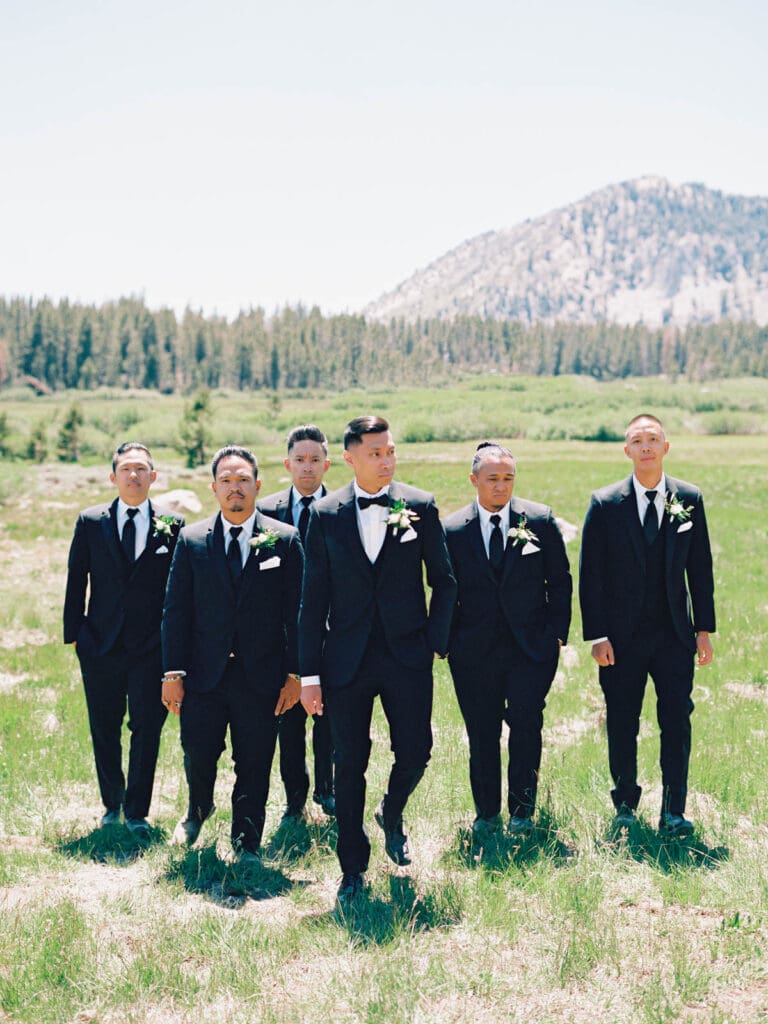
{"type": "Point", "coordinates": [371, 522]}
{"type": "Point", "coordinates": [245, 535]}
{"type": "Point", "coordinates": [140, 521]}
{"type": "Point", "coordinates": [297, 506]}
{"type": "Point", "coordinates": [486, 526]}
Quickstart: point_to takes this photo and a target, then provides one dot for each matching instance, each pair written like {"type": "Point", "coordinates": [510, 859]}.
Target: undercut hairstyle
{"type": "Point", "coordinates": [355, 429]}
{"type": "Point", "coordinates": [307, 432]}
{"type": "Point", "coordinates": [240, 452]}
{"type": "Point", "coordinates": [131, 446]}
{"type": "Point", "coordinates": [489, 450]}
{"type": "Point", "coordinates": [644, 416]}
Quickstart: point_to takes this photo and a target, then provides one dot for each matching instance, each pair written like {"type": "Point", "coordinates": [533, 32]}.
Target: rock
{"type": "Point", "coordinates": [179, 500]}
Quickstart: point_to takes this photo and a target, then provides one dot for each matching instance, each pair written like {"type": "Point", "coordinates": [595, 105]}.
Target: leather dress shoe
{"type": "Point", "coordinates": [351, 885]}
{"type": "Point", "coordinates": [247, 855]}
{"type": "Point", "coordinates": [623, 818]}
{"type": "Point", "coordinates": [292, 814]}
{"type": "Point", "coordinates": [675, 826]}
{"type": "Point", "coordinates": [519, 826]}
{"type": "Point", "coordinates": [482, 827]}
{"type": "Point", "coordinates": [111, 817]}
{"type": "Point", "coordinates": [188, 829]}
{"type": "Point", "coordinates": [327, 801]}
{"type": "Point", "coordinates": [395, 840]}
{"type": "Point", "coordinates": [139, 826]}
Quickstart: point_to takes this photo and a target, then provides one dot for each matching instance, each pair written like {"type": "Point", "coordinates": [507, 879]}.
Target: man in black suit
{"type": "Point", "coordinates": [229, 646]}
{"type": "Point", "coordinates": [121, 553]}
{"type": "Point", "coordinates": [366, 545]}
{"type": "Point", "coordinates": [643, 539]}
{"type": "Point", "coordinates": [511, 618]}
{"type": "Point", "coordinates": [307, 462]}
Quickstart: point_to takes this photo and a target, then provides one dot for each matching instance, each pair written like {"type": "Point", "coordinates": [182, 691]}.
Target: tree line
{"type": "Point", "coordinates": [125, 344]}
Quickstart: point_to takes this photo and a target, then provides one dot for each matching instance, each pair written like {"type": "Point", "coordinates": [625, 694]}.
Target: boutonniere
{"type": "Point", "coordinates": [399, 516]}
{"type": "Point", "coordinates": [163, 526]}
{"type": "Point", "coordinates": [264, 541]}
{"type": "Point", "coordinates": [676, 510]}
{"type": "Point", "coordinates": [520, 534]}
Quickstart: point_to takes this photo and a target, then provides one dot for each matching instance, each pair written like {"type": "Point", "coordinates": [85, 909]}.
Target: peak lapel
{"type": "Point", "coordinates": [347, 516]}
{"type": "Point", "coordinates": [111, 537]}
{"type": "Point", "coordinates": [215, 544]}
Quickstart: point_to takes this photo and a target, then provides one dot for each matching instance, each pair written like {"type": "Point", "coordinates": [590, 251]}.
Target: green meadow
{"type": "Point", "coordinates": [572, 924]}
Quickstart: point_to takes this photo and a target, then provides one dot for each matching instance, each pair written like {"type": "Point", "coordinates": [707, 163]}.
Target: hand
{"type": "Point", "coordinates": [603, 653]}
{"type": "Point", "coordinates": [173, 694]}
{"type": "Point", "coordinates": [289, 694]}
{"type": "Point", "coordinates": [312, 699]}
{"type": "Point", "coordinates": [704, 647]}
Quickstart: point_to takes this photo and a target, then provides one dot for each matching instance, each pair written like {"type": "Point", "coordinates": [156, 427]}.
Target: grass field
{"type": "Point", "coordinates": [570, 925]}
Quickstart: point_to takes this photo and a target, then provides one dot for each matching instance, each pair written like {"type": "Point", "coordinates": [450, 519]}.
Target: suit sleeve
{"type": "Point", "coordinates": [557, 572]}
{"type": "Point", "coordinates": [592, 571]}
{"type": "Point", "coordinates": [315, 598]}
{"type": "Point", "coordinates": [441, 579]}
{"type": "Point", "coordinates": [698, 569]}
{"type": "Point", "coordinates": [77, 583]}
{"type": "Point", "coordinates": [178, 610]}
{"type": "Point", "coordinates": [292, 599]}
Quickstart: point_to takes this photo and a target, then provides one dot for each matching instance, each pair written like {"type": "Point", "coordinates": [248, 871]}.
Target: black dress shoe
{"type": "Point", "coordinates": [484, 827]}
{"type": "Point", "coordinates": [675, 826]}
{"type": "Point", "coordinates": [139, 826]}
{"type": "Point", "coordinates": [188, 829]}
{"type": "Point", "coordinates": [111, 817]}
{"type": "Point", "coordinates": [395, 840]}
{"type": "Point", "coordinates": [292, 814]}
{"type": "Point", "coordinates": [351, 885]}
{"type": "Point", "coordinates": [327, 801]}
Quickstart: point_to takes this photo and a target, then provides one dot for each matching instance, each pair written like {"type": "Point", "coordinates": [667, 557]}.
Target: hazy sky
{"type": "Point", "coordinates": [235, 154]}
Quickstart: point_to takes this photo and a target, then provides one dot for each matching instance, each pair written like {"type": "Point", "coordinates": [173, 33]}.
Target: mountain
{"type": "Point", "coordinates": [643, 251]}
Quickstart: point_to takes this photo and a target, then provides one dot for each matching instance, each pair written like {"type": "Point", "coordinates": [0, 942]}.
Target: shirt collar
{"type": "Point", "coordinates": [360, 493]}
{"type": "Point", "coordinates": [296, 496]}
{"type": "Point", "coordinates": [143, 509]}
{"type": "Point", "coordinates": [640, 489]}
{"type": "Point", "coordinates": [485, 515]}
{"type": "Point", "coordinates": [247, 525]}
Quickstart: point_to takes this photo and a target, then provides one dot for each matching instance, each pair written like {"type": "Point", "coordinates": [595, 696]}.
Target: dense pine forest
{"type": "Point", "coordinates": [124, 344]}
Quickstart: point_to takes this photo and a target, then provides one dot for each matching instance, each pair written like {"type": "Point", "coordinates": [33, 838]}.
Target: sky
{"type": "Point", "coordinates": [230, 155]}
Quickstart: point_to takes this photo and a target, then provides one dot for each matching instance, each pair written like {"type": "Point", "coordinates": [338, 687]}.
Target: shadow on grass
{"type": "Point", "coordinates": [294, 839]}
{"type": "Point", "coordinates": [115, 845]}
{"type": "Point", "coordinates": [498, 851]}
{"type": "Point", "coordinates": [229, 885]}
{"type": "Point", "coordinates": [643, 844]}
{"type": "Point", "coordinates": [371, 920]}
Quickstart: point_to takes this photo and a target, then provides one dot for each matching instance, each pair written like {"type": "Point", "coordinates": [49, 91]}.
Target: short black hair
{"type": "Point", "coordinates": [643, 416]}
{"type": "Point", "coordinates": [489, 448]}
{"type": "Point", "coordinates": [240, 452]}
{"type": "Point", "coordinates": [307, 432]}
{"type": "Point", "coordinates": [130, 446]}
{"type": "Point", "coordinates": [355, 429]}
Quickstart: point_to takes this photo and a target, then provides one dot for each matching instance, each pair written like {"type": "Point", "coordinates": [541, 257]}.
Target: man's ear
{"type": "Point", "coordinates": [258, 486]}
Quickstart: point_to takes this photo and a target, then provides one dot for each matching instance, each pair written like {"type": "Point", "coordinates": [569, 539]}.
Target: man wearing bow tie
{"type": "Point", "coordinates": [365, 548]}
{"type": "Point", "coordinates": [229, 647]}
{"type": "Point", "coordinates": [121, 554]}
{"type": "Point", "coordinates": [511, 618]}
{"type": "Point", "coordinates": [647, 602]}
{"type": "Point", "coordinates": [307, 461]}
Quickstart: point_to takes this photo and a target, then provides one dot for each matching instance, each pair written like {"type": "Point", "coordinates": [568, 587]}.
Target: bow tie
{"type": "Point", "coordinates": [363, 503]}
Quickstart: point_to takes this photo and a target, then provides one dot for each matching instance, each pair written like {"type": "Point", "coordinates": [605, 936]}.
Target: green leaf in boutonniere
{"type": "Point", "coordinates": [163, 526]}
{"type": "Point", "coordinates": [676, 510]}
{"type": "Point", "coordinates": [520, 534]}
{"type": "Point", "coordinates": [265, 540]}
{"type": "Point", "coordinates": [399, 516]}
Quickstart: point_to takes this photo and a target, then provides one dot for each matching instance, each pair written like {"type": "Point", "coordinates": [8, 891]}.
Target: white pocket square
{"type": "Point", "coordinates": [530, 549]}
{"type": "Point", "coordinates": [410, 534]}
{"type": "Point", "coordinates": [162, 551]}
{"type": "Point", "coordinates": [271, 563]}
{"type": "Point", "coordinates": [684, 526]}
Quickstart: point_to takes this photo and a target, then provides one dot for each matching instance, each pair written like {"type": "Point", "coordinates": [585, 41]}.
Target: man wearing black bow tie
{"type": "Point", "coordinates": [512, 616]}
{"type": "Point", "coordinates": [229, 647]}
{"type": "Point", "coordinates": [121, 554]}
{"type": "Point", "coordinates": [644, 539]}
{"type": "Point", "coordinates": [307, 461]}
{"type": "Point", "coordinates": [365, 548]}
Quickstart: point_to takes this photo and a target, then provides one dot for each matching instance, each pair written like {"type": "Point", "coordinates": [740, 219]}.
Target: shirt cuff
{"type": "Point", "coordinates": [600, 640]}
{"type": "Point", "coordinates": [310, 681]}
{"type": "Point", "coordinates": [174, 672]}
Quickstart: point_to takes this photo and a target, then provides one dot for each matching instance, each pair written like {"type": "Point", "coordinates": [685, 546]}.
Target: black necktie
{"type": "Point", "coordinates": [363, 503]}
{"type": "Point", "coordinates": [651, 520]}
{"type": "Point", "coordinates": [128, 540]}
{"type": "Point", "coordinates": [304, 517]}
{"type": "Point", "coordinates": [496, 545]}
{"type": "Point", "coordinates": [233, 552]}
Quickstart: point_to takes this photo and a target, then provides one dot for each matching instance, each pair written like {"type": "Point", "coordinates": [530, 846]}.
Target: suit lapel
{"type": "Point", "coordinates": [255, 555]}
{"type": "Point", "coordinates": [632, 520]}
{"type": "Point", "coordinates": [215, 544]}
{"type": "Point", "coordinates": [475, 541]}
{"type": "Point", "coordinates": [111, 536]}
{"type": "Point", "coordinates": [512, 551]}
{"type": "Point", "coordinates": [347, 516]}
{"type": "Point", "coordinates": [670, 539]}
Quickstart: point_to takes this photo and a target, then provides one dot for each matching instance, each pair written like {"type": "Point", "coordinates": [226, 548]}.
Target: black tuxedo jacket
{"type": "Point", "coordinates": [533, 593]}
{"type": "Point", "coordinates": [612, 566]}
{"type": "Point", "coordinates": [278, 505]}
{"type": "Point", "coordinates": [124, 599]}
{"type": "Point", "coordinates": [342, 588]}
{"type": "Point", "coordinates": [206, 616]}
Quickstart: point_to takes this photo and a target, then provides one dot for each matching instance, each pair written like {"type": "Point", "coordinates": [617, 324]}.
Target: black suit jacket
{"type": "Point", "coordinates": [206, 616]}
{"type": "Point", "coordinates": [612, 566]}
{"type": "Point", "coordinates": [278, 505]}
{"type": "Point", "coordinates": [124, 599]}
{"type": "Point", "coordinates": [533, 593]}
{"type": "Point", "coordinates": [342, 588]}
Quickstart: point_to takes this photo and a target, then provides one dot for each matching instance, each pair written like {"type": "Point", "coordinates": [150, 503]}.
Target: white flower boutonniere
{"type": "Point", "coordinates": [163, 526]}
{"type": "Point", "coordinates": [399, 516]}
{"type": "Point", "coordinates": [520, 534]}
{"type": "Point", "coordinates": [264, 541]}
{"type": "Point", "coordinates": [676, 510]}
